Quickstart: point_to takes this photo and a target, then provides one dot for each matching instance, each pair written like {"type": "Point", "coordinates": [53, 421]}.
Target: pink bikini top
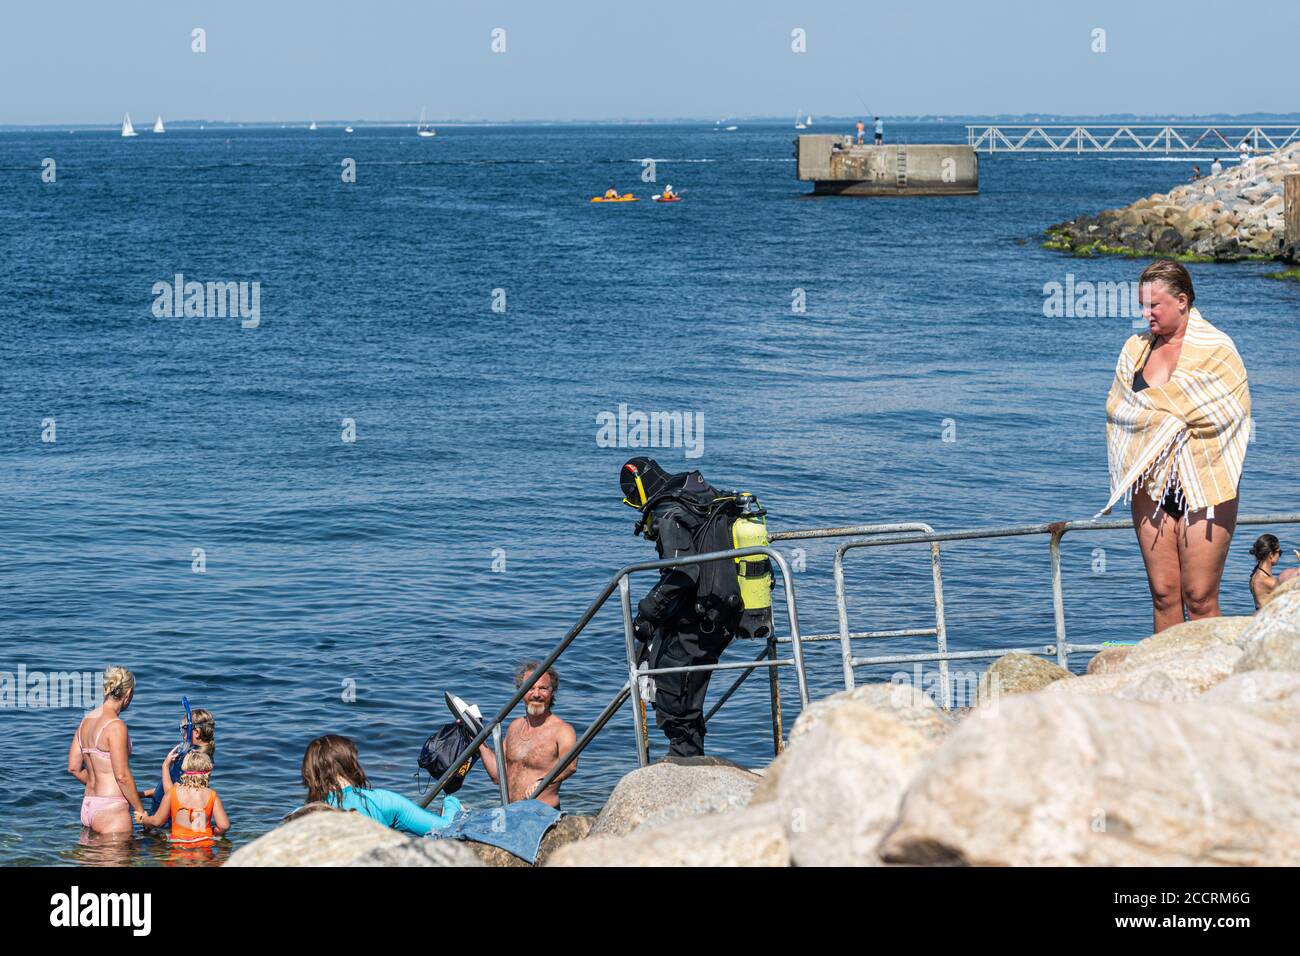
{"type": "Point", "coordinates": [95, 749]}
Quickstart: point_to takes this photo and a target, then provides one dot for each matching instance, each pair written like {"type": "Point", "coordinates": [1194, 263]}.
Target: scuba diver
{"type": "Point", "coordinates": [693, 611]}
{"type": "Point", "coordinates": [611, 193]}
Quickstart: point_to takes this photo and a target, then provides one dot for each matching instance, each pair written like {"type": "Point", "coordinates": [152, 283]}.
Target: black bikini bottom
{"type": "Point", "coordinates": [1172, 507]}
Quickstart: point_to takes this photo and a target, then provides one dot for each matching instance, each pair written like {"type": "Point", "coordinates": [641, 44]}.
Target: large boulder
{"type": "Point", "coordinates": [1018, 674]}
{"type": "Point", "coordinates": [568, 829]}
{"type": "Point", "coordinates": [837, 787]}
{"type": "Point", "coordinates": [336, 838]}
{"type": "Point", "coordinates": [674, 788]}
{"type": "Point", "coordinates": [1272, 641]}
{"type": "Point", "coordinates": [1108, 660]}
{"type": "Point", "coordinates": [747, 837]}
{"type": "Point", "coordinates": [1059, 779]}
{"type": "Point", "coordinates": [1177, 664]}
{"type": "Point", "coordinates": [904, 701]}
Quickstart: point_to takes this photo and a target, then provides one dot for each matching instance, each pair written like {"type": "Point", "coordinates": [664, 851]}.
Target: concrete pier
{"type": "Point", "coordinates": [837, 166]}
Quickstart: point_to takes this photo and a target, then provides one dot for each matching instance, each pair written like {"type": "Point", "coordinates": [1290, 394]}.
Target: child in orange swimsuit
{"type": "Point", "coordinates": [192, 806]}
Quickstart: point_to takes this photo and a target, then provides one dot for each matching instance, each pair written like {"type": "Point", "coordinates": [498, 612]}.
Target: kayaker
{"type": "Point", "coordinates": [611, 193]}
{"type": "Point", "coordinates": [668, 194]}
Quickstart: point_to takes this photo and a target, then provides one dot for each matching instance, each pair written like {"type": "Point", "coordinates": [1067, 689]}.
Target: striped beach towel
{"type": "Point", "coordinates": [1189, 435]}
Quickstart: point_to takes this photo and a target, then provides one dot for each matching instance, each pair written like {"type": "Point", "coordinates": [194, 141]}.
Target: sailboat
{"type": "Point", "coordinates": [420, 129]}
{"type": "Point", "coordinates": [158, 126]}
{"type": "Point", "coordinates": [797, 124]}
{"type": "Point", "coordinates": [127, 128]}
{"type": "Point", "coordinates": [313, 125]}
{"type": "Point", "coordinates": [809, 119]}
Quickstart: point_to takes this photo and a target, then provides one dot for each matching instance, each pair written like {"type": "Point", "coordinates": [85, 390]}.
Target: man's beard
{"type": "Point", "coordinates": [535, 709]}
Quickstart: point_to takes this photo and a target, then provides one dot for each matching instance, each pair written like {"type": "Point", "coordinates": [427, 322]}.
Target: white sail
{"type": "Point", "coordinates": [127, 128]}
{"type": "Point", "coordinates": [313, 125]}
{"type": "Point", "coordinates": [421, 129]}
{"type": "Point", "coordinates": [158, 126]}
{"type": "Point", "coordinates": [809, 119]}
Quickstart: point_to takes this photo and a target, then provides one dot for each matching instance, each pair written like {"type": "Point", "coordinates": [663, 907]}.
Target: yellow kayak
{"type": "Point", "coordinates": [625, 198]}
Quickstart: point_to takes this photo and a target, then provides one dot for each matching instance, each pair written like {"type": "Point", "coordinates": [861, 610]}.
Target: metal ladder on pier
{"type": "Point", "coordinates": [901, 172]}
{"type": "Point", "coordinates": [860, 537]}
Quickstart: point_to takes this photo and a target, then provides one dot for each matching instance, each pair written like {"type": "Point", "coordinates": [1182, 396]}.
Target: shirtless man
{"type": "Point", "coordinates": [535, 743]}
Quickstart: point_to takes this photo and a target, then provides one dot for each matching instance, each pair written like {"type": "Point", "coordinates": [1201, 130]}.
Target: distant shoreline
{"type": "Point", "coordinates": [933, 118]}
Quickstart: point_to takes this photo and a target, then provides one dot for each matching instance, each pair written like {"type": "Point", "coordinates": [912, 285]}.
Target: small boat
{"type": "Point", "coordinates": [312, 126]}
{"type": "Point", "coordinates": [731, 129]}
{"type": "Point", "coordinates": [421, 130]}
{"type": "Point", "coordinates": [347, 129]}
{"type": "Point", "coordinates": [158, 125]}
{"type": "Point", "coordinates": [808, 121]}
{"type": "Point", "coordinates": [797, 124]}
{"type": "Point", "coordinates": [127, 128]}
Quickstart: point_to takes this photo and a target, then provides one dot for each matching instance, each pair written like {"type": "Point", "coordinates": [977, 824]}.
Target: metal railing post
{"type": "Point", "coordinates": [774, 694]}
{"type": "Point", "coordinates": [500, 749]}
{"type": "Point", "coordinates": [791, 607]}
{"type": "Point", "coordinates": [940, 626]}
{"type": "Point", "coordinates": [1058, 597]}
{"type": "Point", "coordinates": [638, 705]}
{"type": "Point", "coordinates": [846, 646]}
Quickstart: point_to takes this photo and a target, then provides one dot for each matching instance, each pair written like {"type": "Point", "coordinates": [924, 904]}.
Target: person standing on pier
{"type": "Point", "coordinates": [1177, 427]}
{"type": "Point", "coordinates": [880, 132]}
{"type": "Point", "coordinates": [862, 133]}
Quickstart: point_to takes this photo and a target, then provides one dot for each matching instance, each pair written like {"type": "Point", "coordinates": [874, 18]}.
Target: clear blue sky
{"type": "Point", "coordinates": [88, 61]}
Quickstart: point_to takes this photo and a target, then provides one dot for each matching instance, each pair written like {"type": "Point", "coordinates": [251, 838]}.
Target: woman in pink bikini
{"type": "Point", "coordinates": [100, 758]}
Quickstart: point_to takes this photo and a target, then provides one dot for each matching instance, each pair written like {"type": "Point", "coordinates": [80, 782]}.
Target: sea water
{"type": "Point", "coordinates": [396, 482]}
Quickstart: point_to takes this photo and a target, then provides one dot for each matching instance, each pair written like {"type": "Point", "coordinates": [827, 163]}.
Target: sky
{"type": "Point", "coordinates": [90, 61]}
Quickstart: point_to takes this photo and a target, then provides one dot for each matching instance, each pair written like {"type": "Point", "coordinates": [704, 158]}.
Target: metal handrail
{"type": "Point", "coordinates": [1057, 530]}
{"type": "Point", "coordinates": [621, 581]}
{"type": "Point", "coordinates": [889, 534]}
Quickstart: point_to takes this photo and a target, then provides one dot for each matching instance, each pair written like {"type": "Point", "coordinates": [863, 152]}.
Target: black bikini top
{"type": "Point", "coordinates": [1139, 380]}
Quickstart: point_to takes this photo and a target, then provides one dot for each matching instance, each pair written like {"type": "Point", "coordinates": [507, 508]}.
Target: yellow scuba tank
{"type": "Point", "coordinates": [753, 573]}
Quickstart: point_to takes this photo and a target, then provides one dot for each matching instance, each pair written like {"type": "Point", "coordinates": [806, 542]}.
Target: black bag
{"type": "Point", "coordinates": [442, 748]}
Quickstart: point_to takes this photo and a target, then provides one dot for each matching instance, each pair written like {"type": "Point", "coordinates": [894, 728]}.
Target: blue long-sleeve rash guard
{"type": "Point", "coordinates": [396, 811]}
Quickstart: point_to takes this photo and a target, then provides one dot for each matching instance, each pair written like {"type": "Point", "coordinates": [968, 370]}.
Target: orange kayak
{"type": "Point", "coordinates": [670, 199]}
{"type": "Point", "coordinates": [627, 198]}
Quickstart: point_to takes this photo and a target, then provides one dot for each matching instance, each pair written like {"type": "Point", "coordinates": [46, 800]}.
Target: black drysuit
{"type": "Point", "coordinates": [678, 637]}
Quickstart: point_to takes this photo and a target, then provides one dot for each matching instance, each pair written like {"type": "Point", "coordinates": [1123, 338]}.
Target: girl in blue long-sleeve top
{"type": "Point", "coordinates": [332, 773]}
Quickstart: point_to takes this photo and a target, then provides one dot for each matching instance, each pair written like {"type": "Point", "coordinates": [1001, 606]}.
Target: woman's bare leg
{"type": "Point", "coordinates": [1158, 539]}
{"type": "Point", "coordinates": [1202, 552]}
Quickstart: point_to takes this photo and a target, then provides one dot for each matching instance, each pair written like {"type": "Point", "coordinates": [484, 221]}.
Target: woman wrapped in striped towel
{"type": "Point", "coordinates": [1177, 426]}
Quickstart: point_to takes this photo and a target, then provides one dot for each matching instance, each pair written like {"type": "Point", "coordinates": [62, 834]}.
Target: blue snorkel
{"type": "Point", "coordinates": [188, 734]}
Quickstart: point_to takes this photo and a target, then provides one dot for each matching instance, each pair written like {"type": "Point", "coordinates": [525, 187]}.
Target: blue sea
{"type": "Point", "coordinates": [201, 517]}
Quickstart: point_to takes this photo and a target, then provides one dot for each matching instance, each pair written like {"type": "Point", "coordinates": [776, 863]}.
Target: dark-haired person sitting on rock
{"type": "Point", "coordinates": [332, 774]}
{"type": "Point", "coordinates": [1267, 551]}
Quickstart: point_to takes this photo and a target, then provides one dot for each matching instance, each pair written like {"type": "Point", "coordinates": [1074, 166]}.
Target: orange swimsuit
{"type": "Point", "coordinates": [182, 833]}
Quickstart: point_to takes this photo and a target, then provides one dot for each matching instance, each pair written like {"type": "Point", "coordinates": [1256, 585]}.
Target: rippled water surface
{"type": "Point", "coordinates": [369, 565]}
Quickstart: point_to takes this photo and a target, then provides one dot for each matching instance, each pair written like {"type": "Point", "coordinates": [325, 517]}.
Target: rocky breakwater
{"type": "Point", "coordinates": [1181, 750]}
{"type": "Point", "coordinates": [1236, 214]}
